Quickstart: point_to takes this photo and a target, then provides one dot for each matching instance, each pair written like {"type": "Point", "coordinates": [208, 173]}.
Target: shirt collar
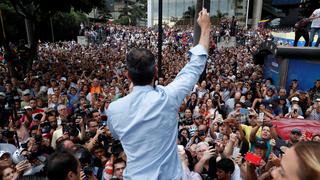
{"type": "Point", "coordinates": [142, 88]}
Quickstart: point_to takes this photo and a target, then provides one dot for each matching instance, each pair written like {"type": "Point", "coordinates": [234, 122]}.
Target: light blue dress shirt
{"type": "Point", "coordinates": [146, 123]}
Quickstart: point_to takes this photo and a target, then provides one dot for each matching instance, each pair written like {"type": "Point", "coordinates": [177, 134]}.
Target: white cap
{"type": "Point", "coordinates": [63, 79]}
{"type": "Point", "coordinates": [295, 99]}
{"type": "Point", "coordinates": [25, 92]}
{"type": "Point", "coordinates": [27, 107]}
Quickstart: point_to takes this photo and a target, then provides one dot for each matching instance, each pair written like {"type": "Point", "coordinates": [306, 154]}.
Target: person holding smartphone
{"type": "Point", "coordinates": [294, 113]}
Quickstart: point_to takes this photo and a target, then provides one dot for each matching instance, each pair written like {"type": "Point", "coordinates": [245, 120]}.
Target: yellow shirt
{"type": "Point", "coordinates": [247, 129]}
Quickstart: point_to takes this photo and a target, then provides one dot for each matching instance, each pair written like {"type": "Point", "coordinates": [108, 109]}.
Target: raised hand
{"type": "Point", "coordinates": [205, 25]}
{"type": "Point", "coordinates": [204, 20]}
{"type": "Point", "coordinates": [209, 153]}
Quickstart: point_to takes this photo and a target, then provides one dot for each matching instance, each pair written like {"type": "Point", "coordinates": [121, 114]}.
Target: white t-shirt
{"type": "Point", "coordinates": [316, 22]}
{"type": "Point", "coordinates": [236, 173]}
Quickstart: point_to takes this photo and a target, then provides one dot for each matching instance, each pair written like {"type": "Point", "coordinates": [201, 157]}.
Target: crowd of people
{"type": "Point", "coordinates": [225, 129]}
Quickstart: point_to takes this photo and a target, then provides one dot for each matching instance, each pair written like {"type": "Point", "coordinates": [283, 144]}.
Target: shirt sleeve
{"type": "Point", "coordinates": [188, 76]}
{"type": "Point", "coordinates": [113, 133]}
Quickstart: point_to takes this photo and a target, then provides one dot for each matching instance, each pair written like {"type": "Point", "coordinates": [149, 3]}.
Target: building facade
{"type": "Point", "coordinates": [173, 10]}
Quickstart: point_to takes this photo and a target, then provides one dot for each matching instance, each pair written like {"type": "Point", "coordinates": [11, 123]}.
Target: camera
{"type": "Point", "coordinates": [44, 124]}
{"type": "Point", "coordinates": [216, 97]}
{"type": "Point", "coordinates": [234, 129]}
{"type": "Point", "coordinates": [88, 170]}
{"type": "Point", "coordinates": [102, 124]}
{"type": "Point", "coordinates": [202, 133]}
{"type": "Point", "coordinates": [70, 129]}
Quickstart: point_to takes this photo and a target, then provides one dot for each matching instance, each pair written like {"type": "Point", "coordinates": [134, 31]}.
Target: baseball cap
{"type": "Point", "coordinates": [26, 92]}
{"type": "Point", "coordinates": [27, 107]}
{"type": "Point", "coordinates": [296, 131]}
{"type": "Point", "coordinates": [295, 99]}
{"type": "Point", "coordinates": [270, 88]}
{"type": "Point", "coordinates": [318, 99]}
{"type": "Point", "coordinates": [52, 79]}
{"type": "Point", "coordinates": [261, 144]}
{"type": "Point", "coordinates": [2, 94]}
{"type": "Point", "coordinates": [63, 79]}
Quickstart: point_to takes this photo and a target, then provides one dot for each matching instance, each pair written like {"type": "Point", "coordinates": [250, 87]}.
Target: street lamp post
{"type": "Point", "coordinates": [160, 40]}
{"type": "Point", "coordinates": [197, 31]}
{"type": "Point", "coordinates": [247, 14]}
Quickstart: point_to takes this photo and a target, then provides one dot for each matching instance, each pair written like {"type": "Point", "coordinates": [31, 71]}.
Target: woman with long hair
{"type": "Point", "coordinates": [300, 162]}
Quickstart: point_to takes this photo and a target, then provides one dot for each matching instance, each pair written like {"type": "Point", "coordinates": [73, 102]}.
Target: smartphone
{"type": "Point", "coordinates": [102, 124]}
{"type": "Point", "coordinates": [235, 152]}
{"type": "Point", "coordinates": [220, 137]}
{"type": "Point", "coordinates": [253, 159]}
{"type": "Point", "coordinates": [244, 111]}
{"type": "Point", "coordinates": [261, 116]}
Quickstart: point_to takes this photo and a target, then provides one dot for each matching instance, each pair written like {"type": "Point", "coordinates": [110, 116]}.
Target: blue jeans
{"type": "Point", "coordinates": [313, 32]}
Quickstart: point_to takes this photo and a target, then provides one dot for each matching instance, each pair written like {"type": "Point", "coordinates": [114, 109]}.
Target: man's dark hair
{"type": "Point", "coordinates": [59, 164]}
{"type": "Point", "coordinates": [225, 165]}
{"type": "Point", "coordinates": [140, 64]}
{"type": "Point", "coordinates": [119, 160]}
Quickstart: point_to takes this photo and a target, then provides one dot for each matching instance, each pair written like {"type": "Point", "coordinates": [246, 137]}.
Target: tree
{"type": "Point", "coordinates": [133, 11]}
{"type": "Point", "coordinates": [36, 12]}
{"type": "Point", "coordinates": [187, 16]}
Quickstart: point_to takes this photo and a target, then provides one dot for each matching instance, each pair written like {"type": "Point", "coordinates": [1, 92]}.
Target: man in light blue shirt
{"type": "Point", "coordinates": [145, 121]}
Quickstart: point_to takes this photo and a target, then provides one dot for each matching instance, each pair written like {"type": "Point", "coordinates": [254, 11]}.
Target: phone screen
{"type": "Point", "coordinates": [261, 116]}
{"type": "Point", "coordinates": [244, 111]}
{"type": "Point", "coordinates": [253, 159]}
{"type": "Point", "coordinates": [235, 152]}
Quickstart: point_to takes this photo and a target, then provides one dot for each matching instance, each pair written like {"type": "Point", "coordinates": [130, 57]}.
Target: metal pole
{"type": "Point", "coordinates": [160, 39]}
{"type": "Point", "coordinates": [257, 10]}
{"type": "Point", "coordinates": [200, 4]}
{"type": "Point", "coordinates": [2, 26]}
{"type": "Point", "coordinates": [197, 31]}
{"type": "Point", "coordinates": [52, 34]}
{"type": "Point", "coordinates": [247, 14]}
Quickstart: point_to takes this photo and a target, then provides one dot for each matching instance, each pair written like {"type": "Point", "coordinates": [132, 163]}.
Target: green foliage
{"type": "Point", "coordinates": [123, 20]}
{"type": "Point", "coordinates": [66, 25]}
{"type": "Point", "coordinates": [134, 11]}
{"type": "Point", "coordinates": [13, 23]}
{"type": "Point", "coordinates": [220, 15]}
{"type": "Point", "coordinates": [187, 17]}
{"type": "Point", "coordinates": [38, 14]}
